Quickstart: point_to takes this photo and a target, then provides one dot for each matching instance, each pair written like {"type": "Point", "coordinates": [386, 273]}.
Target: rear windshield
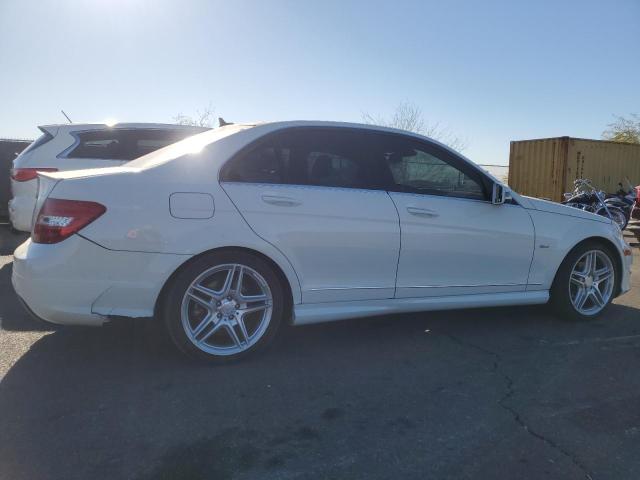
{"type": "Point", "coordinates": [124, 144]}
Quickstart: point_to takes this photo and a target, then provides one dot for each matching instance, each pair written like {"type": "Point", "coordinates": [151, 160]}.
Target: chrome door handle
{"type": "Point", "coordinates": [422, 212]}
{"type": "Point", "coordinates": [281, 201]}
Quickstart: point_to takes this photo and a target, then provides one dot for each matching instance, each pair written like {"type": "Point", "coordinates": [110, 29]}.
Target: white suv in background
{"type": "Point", "coordinates": [81, 146]}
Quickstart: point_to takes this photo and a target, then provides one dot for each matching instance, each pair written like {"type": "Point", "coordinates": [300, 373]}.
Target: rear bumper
{"type": "Point", "coordinates": [76, 282]}
{"type": "Point", "coordinates": [31, 313]}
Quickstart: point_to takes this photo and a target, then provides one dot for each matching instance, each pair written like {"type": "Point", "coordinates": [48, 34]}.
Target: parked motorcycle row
{"type": "Point", "coordinates": [619, 206]}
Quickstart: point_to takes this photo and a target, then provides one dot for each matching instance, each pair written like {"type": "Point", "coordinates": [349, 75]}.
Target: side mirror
{"type": "Point", "coordinates": [500, 194]}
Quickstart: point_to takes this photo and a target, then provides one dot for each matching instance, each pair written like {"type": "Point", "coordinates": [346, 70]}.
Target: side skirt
{"type": "Point", "coordinates": [327, 312]}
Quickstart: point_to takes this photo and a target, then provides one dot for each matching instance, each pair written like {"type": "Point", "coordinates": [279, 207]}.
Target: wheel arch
{"type": "Point", "coordinates": [606, 243]}
{"type": "Point", "coordinates": [279, 271]}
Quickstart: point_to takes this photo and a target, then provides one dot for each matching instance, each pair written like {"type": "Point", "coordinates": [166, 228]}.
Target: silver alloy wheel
{"type": "Point", "coordinates": [591, 282]}
{"type": "Point", "coordinates": [226, 309]}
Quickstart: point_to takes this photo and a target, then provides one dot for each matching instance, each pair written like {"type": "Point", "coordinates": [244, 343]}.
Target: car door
{"type": "Point", "coordinates": [454, 240]}
{"type": "Point", "coordinates": [316, 195]}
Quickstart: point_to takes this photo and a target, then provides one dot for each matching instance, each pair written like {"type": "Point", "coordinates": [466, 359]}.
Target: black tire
{"type": "Point", "coordinates": [560, 291]}
{"type": "Point", "coordinates": [170, 310]}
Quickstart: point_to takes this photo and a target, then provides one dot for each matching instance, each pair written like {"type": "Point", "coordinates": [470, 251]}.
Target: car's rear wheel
{"type": "Point", "coordinates": [224, 306]}
{"type": "Point", "coordinates": [586, 281]}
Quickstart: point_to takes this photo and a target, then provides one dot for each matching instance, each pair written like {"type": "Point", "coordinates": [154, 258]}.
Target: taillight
{"type": "Point", "coordinates": [59, 219]}
{"type": "Point", "coordinates": [26, 174]}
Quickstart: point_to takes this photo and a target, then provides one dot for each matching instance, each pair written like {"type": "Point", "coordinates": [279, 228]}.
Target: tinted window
{"type": "Point", "coordinates": [123, 144]}
{"type": "Point", "coordinates": [420, 169]}
{"type": "Point", "coordinates": [146, 141]}
{"type": "Point", "coordinates": [266, 163]}
{"type": "Point", "coordinates": [323, 157]}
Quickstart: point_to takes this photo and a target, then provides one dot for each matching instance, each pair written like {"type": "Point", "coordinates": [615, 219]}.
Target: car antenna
{"type": "Point", "coordinates": [223, 123]}
{"type": "Point", "coordinates": [66, 116]}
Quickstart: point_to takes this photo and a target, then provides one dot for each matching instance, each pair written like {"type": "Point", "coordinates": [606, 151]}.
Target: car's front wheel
{"type": "Point", "coordinates": [586, 281]}
{"type": "Point", "coordinates": [224, 306]}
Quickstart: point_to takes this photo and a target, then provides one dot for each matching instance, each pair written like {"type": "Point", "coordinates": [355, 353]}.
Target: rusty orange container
{"type": "Point", "coordinates": [547, 167]}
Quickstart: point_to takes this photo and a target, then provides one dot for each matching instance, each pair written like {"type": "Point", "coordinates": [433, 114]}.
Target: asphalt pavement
{"type": "Point", "coordinates": [497, 393]}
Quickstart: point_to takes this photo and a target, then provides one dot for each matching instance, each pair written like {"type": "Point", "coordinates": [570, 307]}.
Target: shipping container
{"type": "Point", "coordinates": [547, 167]}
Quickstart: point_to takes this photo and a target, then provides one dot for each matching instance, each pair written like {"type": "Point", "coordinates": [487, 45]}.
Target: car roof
{"type": "Point", "coordinates": [273, 126]}
{"type": "Point", "coordinates": [71, 127]}
{"type": "Point", "coordinates": [277, 125]}
{"type": "Point", "coordinates": [328, 123]}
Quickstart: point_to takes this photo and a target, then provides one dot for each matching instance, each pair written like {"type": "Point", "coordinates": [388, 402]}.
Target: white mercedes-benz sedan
{"type": "Point", "coordinates": [226, 235]}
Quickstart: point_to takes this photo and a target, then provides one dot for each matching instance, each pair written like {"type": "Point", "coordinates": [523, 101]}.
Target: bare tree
{"type": "Point", "coordinates": [408, 116]}
{"type": "Point", "coordinates": [202, 118]}
{"type": "Point", "coordinates": [626, 130]}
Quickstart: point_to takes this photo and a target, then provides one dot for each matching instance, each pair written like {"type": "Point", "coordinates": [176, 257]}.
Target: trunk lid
{"type": "Point", "coordinates": [48, 180]}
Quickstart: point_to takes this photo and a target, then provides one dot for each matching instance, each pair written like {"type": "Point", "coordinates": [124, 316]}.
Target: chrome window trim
{"type": "Point", "coordinates": [302, 186]}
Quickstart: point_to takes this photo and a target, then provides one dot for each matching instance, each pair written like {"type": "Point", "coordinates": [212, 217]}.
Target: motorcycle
{"type": "Point", "coordinates": [586, 197]}
{"type": "Point", "coordinates": [624, 199]}
{"type": "Point", "coordinates": [631, 196]}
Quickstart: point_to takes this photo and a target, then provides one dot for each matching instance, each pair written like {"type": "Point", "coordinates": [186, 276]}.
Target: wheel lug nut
{"type": "Point", "coordinates": [219, 315]}
{"type": "Point", "coordinates": [237, 305]}
{"type": "Point", "coordinates": [218, 304]}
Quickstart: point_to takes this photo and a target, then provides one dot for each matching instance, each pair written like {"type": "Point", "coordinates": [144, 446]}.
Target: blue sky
{"type": "Point", "coordinates": [490, 71]}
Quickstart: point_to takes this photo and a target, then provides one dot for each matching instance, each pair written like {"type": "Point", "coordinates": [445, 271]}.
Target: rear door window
{"type": "Point", "coordinates": [123, 144]}
{"type": "Point", "coordinates": [142, 142]}
{"type": "Point", "coordinates": [101, 144]}
{"type": "Point", "coordinates": [309, 156]}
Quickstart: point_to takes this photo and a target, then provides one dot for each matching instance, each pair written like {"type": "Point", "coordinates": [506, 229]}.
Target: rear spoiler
{"type": "Point", "coordinates": [49, 129]}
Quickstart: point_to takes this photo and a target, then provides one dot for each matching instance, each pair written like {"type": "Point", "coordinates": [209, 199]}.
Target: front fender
{"type": "Point", "coordinates": [557, 235]}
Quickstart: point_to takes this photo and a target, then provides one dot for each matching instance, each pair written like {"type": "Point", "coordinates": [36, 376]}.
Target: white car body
{"type": "Point", "coordinates": [54, 151]}
{"type": "Point", "coordinates": [345, 252]}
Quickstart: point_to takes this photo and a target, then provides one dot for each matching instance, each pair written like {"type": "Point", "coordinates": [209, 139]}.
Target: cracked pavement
{"type": "Point", "coordinates": [510, 391]}
{"type": "Point", "coordinates": [495, 393]}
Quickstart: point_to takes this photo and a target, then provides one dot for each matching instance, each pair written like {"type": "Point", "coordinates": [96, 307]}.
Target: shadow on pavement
{"type": "Point", "coordinates": [13, 316]}
{"type": "Point", "coordinates": [9, 240]}
{"type": "Point", "coordinates": [366, 398]}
